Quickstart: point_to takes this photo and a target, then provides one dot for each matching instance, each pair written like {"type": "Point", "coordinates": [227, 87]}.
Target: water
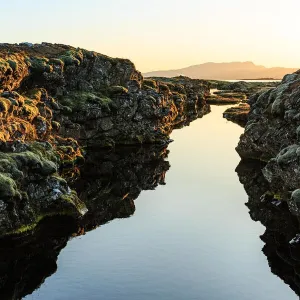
{"type": "Point", "coordinates": [189, 239]}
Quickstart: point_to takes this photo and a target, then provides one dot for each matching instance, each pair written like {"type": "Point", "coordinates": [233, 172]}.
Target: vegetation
{"type": "Point", "coordinates": [78, 100]}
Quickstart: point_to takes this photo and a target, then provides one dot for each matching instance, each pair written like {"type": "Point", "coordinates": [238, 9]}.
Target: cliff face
{"type": "Point", "coordinates": [54, 99]}
{"type": "Point", "coordinates": [272, 135]}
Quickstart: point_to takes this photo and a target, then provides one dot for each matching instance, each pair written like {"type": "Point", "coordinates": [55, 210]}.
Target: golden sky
{"type": "Point", "coordinates": [165, 34]}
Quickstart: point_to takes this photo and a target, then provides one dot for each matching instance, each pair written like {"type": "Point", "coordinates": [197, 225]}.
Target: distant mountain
{"type": "Point", "coordinates": [226, 71]}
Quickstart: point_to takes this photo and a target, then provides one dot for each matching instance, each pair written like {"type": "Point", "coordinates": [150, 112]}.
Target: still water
{"type": "Point", "coordinates": [192, 238]}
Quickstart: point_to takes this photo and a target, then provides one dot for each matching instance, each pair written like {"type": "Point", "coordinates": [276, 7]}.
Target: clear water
{"type": "Point", "coordinates": [190, 239]}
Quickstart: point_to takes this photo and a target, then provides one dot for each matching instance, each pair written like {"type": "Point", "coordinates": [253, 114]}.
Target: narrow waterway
{"type": "Point", "coordinates": [192, 238]}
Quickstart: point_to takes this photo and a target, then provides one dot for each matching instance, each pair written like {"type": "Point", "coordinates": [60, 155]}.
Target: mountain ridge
{"type": "Point", "coordinates": [225, 71]}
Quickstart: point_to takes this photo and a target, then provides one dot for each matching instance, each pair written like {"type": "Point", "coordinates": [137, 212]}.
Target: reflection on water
{"type": "Point", "coordinates": [108, 183]}
{"type": "Point", "coordinates": [190, 239]}
{"type": "Point", "coordinates": [281, 225]}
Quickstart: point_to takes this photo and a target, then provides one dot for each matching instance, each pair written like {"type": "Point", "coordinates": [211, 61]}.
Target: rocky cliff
{"type": "Point", "coordinates": [272, 135]}
{"type": "Point", "coordinates": [56, 99]}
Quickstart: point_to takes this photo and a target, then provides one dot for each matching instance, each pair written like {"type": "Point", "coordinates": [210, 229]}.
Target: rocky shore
{"type": "Point", "coordinates": [56, 100]}
{"type": "Point", "coordinates": [238, 114]}
{"type": "Point", "coordinates": [272, 135]}
{"type": "Point", "coordinates": [240, 91]}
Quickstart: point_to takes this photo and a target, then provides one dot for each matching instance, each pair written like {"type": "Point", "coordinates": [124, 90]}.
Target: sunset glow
{"type": "Point", "coordinates": [165, 34]}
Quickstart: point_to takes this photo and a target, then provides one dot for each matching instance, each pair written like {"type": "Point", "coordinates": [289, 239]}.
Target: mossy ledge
{"type": "Point", "coordinates": [55, 100]}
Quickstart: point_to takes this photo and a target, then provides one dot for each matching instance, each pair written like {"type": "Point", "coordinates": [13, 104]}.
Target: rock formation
{"type": "Point", "coordinates": [238, 114]}
{"type": "Point", "coordinates": [56, 99]}
{"type": "Point", "coordinates": [272, 135]}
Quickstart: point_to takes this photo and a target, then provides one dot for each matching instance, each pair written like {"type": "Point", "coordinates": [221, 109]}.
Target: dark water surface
{"type": "Point", "coordinates": [192, 238]}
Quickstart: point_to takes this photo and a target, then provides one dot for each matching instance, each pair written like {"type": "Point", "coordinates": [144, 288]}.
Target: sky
{"type": "Point", "coordinates": [162, 34]}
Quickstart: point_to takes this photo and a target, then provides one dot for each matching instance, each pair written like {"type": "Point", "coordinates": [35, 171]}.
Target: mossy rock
{"type": "Point", "coordinates": [4, 105]}
{"type": "Point", "coordinates": [116, 90]}
{"type": "Point", "coordinates": [35, 94]}
{"type": "Point", "coordinates": [72, 57]}
{"type": "Point", "coordinates": [150, 83]}
{"type": "Point", "coordinates": [4, 66]}
{"type": "Point", "coordinates": [76, 101]}
{"type": "Point", "coordinates": [8, 187]}
{"type": "Point", "coordinates": [35, 162]}
{"type": "Point", "coordinates": [39, 65]}
{"type": "Point", "coordinates": [56, 62]}
{"type": "Point", "coordinates": [163, 88]}
{"type": "Point", "coordinates": [13, 64]}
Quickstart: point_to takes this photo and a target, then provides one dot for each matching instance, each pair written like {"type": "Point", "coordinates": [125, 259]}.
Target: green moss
{"type": "Point", "coordinates": [140, 138]}
{"type": "Point", "coordinates": [39, 65]}
{"type": "Point", "coordinates": [4, 65]}
{"type": "Point", "coordinates": [74, 200]}
{"type": "Point", "coordinates": [8, 187]}
{"type": "Point", "coordinates": [116, 90]}
{"type": "Point", "coordinates": [35, 162]}
{"type": "Point", "coordinates": [29, 110]}
{"type": "Point", "coordinates": [37, 220]}
{"type": "Point", "coordinates": [277, 196]}
{"type": "Point", "coordinates": [45, 150]}
{"type": "Point", "coordinates": [163, 88]}
{"type": "Point", "coordinates": [4, 104]}
{"type": "Point", "coordinates": [35, 94]}
{"type": "Point", "coordinates": [13, 64]}
{"type": "Point", "coordinates": [150, 83]}
{"type": "Point", "coordinates": [8, 165]}
{"type": "Point", "coordinates": [56, 62]}
{"type": "Point", "coordinates": [75, 101]}
{"type": "Point", "coordinates": [72, 57]}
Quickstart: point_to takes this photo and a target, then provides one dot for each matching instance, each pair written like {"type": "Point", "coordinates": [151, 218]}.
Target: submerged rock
{"type": "Point", "coordinates": [222, 100]}
{"type": "Point", "coordinates": [238, 114]}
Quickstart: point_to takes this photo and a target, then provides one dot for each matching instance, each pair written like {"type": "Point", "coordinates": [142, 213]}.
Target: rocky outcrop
{"type": "Point", "coordinates": [242, 89]}
{"type": "Point", "coordinates": [99, 100]}
{"type": "Point", "coordinates": [238, 114]}
{"type": "Point", "coordinates": [108, 183]}
{"type": "Point", "coordinates": [56, 99]}
{"type": "Point", "coordinates": [271, 134]}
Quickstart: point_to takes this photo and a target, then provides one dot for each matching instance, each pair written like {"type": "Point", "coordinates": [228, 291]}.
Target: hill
{"type": "Point", "coordinates": [226, 71]}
